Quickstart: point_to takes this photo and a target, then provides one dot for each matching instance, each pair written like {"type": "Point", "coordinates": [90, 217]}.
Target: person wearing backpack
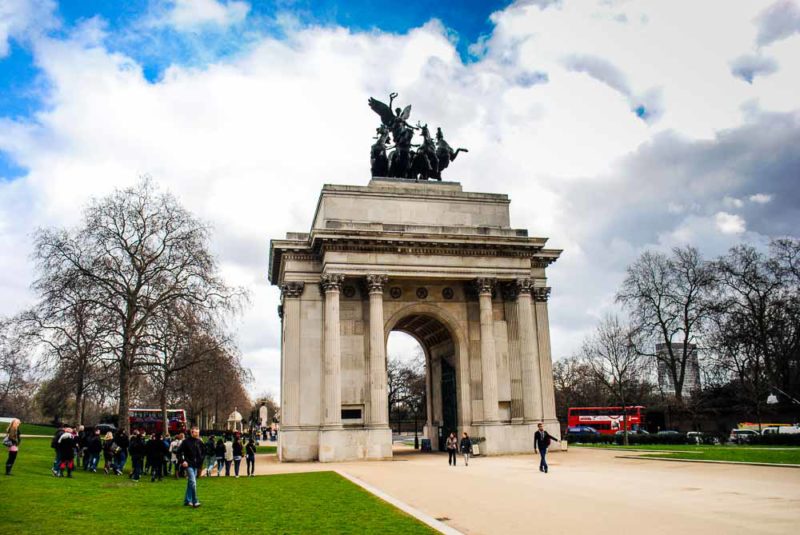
{"type": "Point", "coordinates": [541, 441]}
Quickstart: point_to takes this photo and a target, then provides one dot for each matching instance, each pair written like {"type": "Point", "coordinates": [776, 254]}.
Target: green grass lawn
{"type": "Point", "coordinates": [29, 429]}
{"type": "Point", "coordinates": [266, 449]}
{"type": "Point", "coordinates": [743, 453]}
{"type": "Point", "coordinates": [33, 501]}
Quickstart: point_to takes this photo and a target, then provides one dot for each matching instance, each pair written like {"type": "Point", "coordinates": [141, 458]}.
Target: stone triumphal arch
{"type": "Point", "coordinates": [440, 264]}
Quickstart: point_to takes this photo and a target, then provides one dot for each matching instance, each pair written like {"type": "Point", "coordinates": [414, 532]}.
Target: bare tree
{"type": "Point", "coordinates": [576, 386]}
{"type": "Point", "coordinates": [670, 300]}
{"type": "Point", "coordinates": [756, 333]}
{"type": "Point", "coordinates": [15, 367]}
{"type": "Point", "coordinates": [73, 331]}
{"type": "Point", "coordinates": [141, 252]}
{"type": "Point", "coordinates": [612, 355]}
{"type": "Point", "coordinates": [177, 340]}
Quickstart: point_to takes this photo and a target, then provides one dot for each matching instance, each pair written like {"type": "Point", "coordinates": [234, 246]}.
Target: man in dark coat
{"type": "Point", "coordinates": [156, 449]}
{"type": "Point", "coordinates": [138, 451]}
{"type": "Point", "coordinates": [191, 453]}
{"type": "Point", "coordinates": [541, 441]}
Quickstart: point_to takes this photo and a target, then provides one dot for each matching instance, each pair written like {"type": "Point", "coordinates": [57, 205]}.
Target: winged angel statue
{"type": "Point", "coordinates": [422, 161]}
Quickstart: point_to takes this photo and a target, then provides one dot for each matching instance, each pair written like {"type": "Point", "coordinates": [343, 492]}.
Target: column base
{"type": "Point", "coordinates": [354, 444]}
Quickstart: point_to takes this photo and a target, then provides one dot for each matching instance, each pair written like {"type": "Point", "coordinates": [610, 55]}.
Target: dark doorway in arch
{"type": "Point", "coordinates": [438, 346]}
{"type": "Point", "coordinates": [449, 404]}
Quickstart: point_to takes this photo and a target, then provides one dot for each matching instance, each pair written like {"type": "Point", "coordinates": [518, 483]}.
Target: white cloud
{"type": "Point", "coordinates": [760, 198]}
{"type": "Point", "coordinates": [24, 20]}
{"type": "Point", "coordinates": [729, 223]}
{"type": "Point", "coordinates": [191, 14]}
{"type": "Point", "coordinates": [247, 142]}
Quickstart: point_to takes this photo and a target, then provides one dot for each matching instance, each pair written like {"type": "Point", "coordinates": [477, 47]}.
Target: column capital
{"type": "Point", "coordinates": [292, 289]}
{"type": "Point", "coordinates": [541, 294]}
{"type": "Point", "coordinates": [331, 282]}
{"type": "Point", "coordinates": [375, 283]}
{"type": "Point", "coordinates": [524, 286]}
{"type": "Point", "coordinates": [485, 285]}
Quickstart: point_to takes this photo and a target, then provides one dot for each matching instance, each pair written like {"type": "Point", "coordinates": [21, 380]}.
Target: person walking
{"type": "Point", "coordinates": [228, 455]}
{"type": "Point", "coordinates": [66, 453]}
{"type": "Point", "coordinates": [54, 445]}
{"type": "Point", "coordinates": [250, 458]}
{"type": "Point", "coordinates": [93, 448]}
{"type": "Point", "coordinates": [541, 441]}
{"type": "Point", "coordinates": [466, 448]}
{"type": "Point", "coordinates": [138, 451]}
{"type": "Point", "coordinates": [80, 446]}
{"type": "Point", "coordinates": [211, 458]}
{"type": "Point", "coordinates": [452, 449]}
{"type": "Point", "coordinates": [219, 452]}
{"type": "Point", "coordinates": [174, 446]}
{"type": "Point", "coordinates": [12, 440]}
{"type": "Point", "coordinates": [192, 452]}
{"type": "Point", "coordinates": [238, 450]}
{"type": "Point", "coordinates": [121, 455]}
{"type": "Point", "coordinates": [156, 449]}
{"type": "Point", "coordinates": [109, 452]}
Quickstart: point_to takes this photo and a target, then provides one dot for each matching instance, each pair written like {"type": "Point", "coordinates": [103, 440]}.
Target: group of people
{"type": "Point", "coordinates": [541, 442]}
{"type": "Point", "coordinates": [155, 454]}
{"type": "Point", "coordinates": [453, 446]}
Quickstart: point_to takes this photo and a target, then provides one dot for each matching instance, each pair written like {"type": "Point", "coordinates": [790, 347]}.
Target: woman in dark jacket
{"type": "Point", "coordinates": [466, 448]}
{"type": "Point", "coordinates": [250, 457]}
{"type": "Point", "coordinates": [220, 453]}
{"type": "Point", "coordinates": [238, 450]}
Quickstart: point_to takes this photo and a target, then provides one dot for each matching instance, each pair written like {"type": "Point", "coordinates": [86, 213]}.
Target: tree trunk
{"type": "Point", "coordinates": [124, 396]}
{"type": "Point", "coordinates": [163, 406]}
{"type": "Point", "coordinates": [77, 417]}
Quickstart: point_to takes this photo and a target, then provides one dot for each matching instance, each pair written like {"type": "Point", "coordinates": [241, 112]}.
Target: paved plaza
{"type": "Point", "coordinates": [586, 491]}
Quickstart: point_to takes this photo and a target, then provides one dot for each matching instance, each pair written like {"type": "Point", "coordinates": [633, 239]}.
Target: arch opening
{"type": "Point", "coordinates": [422, 348]}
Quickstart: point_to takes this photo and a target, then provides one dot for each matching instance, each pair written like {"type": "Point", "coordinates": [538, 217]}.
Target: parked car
{"type": "Point", "coordinates": [105, 428]}
{"type": "Point", "coordinates": [582, 430]}
{"type": "Point", "coordinates": [668, 433]}
{"type": "Point", "coordinates": [782, 430]}
{"type": "Point", "coordinates": [742, 436]}
{"type": "Point", "coordinates": [698, 437]}
{"type": "Point", "coordinates": [632, 432]}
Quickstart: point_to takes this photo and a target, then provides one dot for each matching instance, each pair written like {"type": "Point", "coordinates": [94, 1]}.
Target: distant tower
{"type": "Point", "coordinates": [691, 381]}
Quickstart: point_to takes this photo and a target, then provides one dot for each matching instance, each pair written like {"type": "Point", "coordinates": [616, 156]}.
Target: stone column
{"type": "Point", "coordinates": [378, 400]}
{"type": "Point", "coordinates": [332, 364]}
{"type": "Point", "coordinates": [529, 353]}
{"type": "Point", "coordinates": [488, 357]}
{"type": "Point", "coordinates": [540, 295]}
{"type": "Point", "coordinates": [290, 389]}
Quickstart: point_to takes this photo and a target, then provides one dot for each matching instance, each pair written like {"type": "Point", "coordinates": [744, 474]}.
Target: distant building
{"type": "Point", "coordinates": [691, 380]}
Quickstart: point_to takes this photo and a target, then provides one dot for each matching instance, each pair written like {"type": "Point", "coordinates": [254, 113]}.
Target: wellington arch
{"type": "Point", "coordinates": [440, 264]}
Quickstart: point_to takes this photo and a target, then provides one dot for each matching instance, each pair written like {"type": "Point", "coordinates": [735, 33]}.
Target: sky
{"type": "Point", "coordinates": [615, 126]}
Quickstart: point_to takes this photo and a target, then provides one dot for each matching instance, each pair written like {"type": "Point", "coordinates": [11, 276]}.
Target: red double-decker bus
{"type": "Point", "coordinates": [150, 420]}
{"type": "Point", "coordinates": [606, 420]}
